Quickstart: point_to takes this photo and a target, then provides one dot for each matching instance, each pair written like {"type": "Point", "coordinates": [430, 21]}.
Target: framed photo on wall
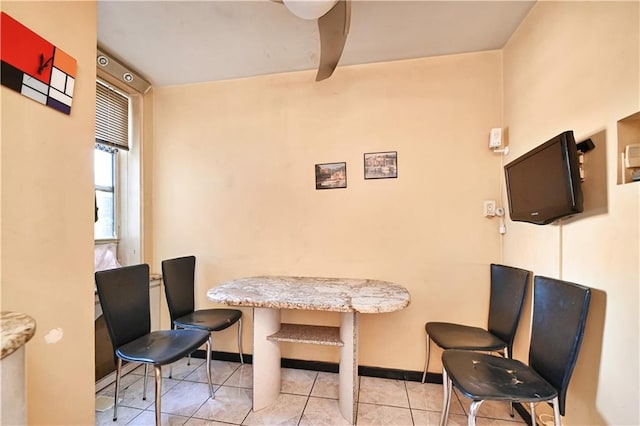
{"type": "Point", "coordinates": [331, 175]}
{"type": "Point", "coordinates": [381, 165]}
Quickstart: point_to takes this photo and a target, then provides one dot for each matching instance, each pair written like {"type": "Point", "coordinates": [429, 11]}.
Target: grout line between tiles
{"type": "Point", "coordinates": [225, 379]}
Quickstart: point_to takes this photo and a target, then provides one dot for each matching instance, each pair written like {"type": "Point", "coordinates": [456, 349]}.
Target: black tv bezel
{"type": "Point", "coordinates": [571, 182]}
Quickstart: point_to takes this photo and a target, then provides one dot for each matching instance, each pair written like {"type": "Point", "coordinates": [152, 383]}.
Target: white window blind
{"type": "Point", "coordinates": [112, 117]}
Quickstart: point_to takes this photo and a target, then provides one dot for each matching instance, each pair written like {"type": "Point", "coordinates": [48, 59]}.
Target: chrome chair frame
{"type": "Point", "coordinates": [178, 275]}
{"type": "Point", "coordinates": [505, 308]}
{"type": "Point", "coordinates": [553, 353]}
{"type": "Point", "coordinates": [124, 296]}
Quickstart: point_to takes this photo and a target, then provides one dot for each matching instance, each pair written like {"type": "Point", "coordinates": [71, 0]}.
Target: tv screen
{"type": "Point", "coordinates": [544, 185]}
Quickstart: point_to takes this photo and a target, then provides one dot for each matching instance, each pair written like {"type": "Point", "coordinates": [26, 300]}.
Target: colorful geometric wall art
{"type": "Point", "coordinates": [34, 67]}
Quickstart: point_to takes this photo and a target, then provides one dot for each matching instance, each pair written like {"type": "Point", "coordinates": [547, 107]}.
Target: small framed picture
{"type": "Point", "coordinates": [331, 175]}
{"type": "Point", "coordinates": [381, 165]}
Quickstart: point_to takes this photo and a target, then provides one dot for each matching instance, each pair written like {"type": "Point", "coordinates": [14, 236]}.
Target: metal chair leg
{"type": "Point", "coordinates": [532, 408]}
{"type": "Point", "coordinates": [473, 411]}
{"type": "Point", "coordinates": [158, 373]}
{"type": "Point", "coordinates": [446, 397]}
{"type": "Point", "coordinates": [173, 327]}
{"type": "Point", "coordinates": [208, 362]}
{"type": "Point", "coordinates": [115, 401]}
{"type": "Point", "coordinates": [144, 388]}
{"type": "Point", "coordinates": [426, 361]}
{"type": "Point", "coordinates": [556, 412]}
{"type": "Point", "coordinates": [240, 340]}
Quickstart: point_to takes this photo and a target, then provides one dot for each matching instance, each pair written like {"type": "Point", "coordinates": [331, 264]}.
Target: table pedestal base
{"type": "Point", "coordinates": [266, 361]}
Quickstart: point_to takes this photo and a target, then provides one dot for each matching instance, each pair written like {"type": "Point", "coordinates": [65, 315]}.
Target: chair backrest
{"type": "Point", "coordinates": [508, 288]}
{"type": "Point", "coordinates": [179, 279]}
{"type": "Point", "coordinates": [559, 316]}
{"type": "Point", "coordinates": [124, 297]}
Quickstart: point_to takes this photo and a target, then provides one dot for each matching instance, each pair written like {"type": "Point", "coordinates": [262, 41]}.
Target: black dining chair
{"type": "Point", "coordinates": [179, 281]}
{"type": "Point", "coordinates": [124, 297]}
{"type": "Point", "coordinates": [508, 288]}
{"type": "Point", "coordinates": [559, 316]}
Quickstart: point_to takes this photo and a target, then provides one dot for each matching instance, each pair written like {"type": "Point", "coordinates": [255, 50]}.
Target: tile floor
{"type": "Point", "coordinates": [307, 398]}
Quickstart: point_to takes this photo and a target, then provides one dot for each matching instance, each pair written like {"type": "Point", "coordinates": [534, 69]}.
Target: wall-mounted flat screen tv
{"type": "Point", "coordinates": [544, 185]}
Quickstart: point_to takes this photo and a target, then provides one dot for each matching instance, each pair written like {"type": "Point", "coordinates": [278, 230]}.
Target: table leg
{"type": "Point", "coordinates": [266, 358]}
{"type": "Point", "coordinates": [348, 391]}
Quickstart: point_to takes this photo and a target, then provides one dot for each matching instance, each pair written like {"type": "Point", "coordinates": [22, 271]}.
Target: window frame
{"type": "Point", "coordinates": [117, 170]}
{"type": "Point", "coordinates": [130, 188]}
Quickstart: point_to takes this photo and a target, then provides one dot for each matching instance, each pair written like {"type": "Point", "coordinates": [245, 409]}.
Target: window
{"type": "Point", "coordinates": [104, 161]}
{"type": "Point", "coordinates": [112, 137]}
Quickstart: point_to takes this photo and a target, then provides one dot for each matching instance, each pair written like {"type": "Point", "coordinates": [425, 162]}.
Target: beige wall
{"type": "Point", "coordinates": [47, 225]}
{"type": "Point", "coordinates": [575, 66]}
{"type": "Point", "coordinates": [234, 185]}
{"type": "Point", "coordinates": [231, 171]}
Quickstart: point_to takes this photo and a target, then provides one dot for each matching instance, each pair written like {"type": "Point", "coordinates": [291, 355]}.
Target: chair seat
{"type": "Point", "coordinates": [457, 336]}
{"type": "Point", "coordinates": [163, 347]}
{"type": "Point", "coordinates": [209, 319]}
{"type": "Point", "coordinates": [486, 377]}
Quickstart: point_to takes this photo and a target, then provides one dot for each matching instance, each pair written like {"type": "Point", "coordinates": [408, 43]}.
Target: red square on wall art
{"type": "Point", "coordinates": [35, 67]}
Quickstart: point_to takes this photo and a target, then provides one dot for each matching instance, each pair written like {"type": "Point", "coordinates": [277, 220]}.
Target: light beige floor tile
{"type": "Point", "coordinates": [287, 410]}
{"type": "Point", "coordinates": [420, 417]}
{"type": "Point", "coordinates": [220, 372]}
{"type": "Point", "coordinates": [370, 414]}
{"type": "Point", "coordinates": [125, 415]}
{"type": "Point", "coordinates": [132, 395]}
{"type": "Point", "coordinates": [322, 412]}
{"type": "Point", "coordinates": [181, 368]}
{"type": "Point", "coordinates": [489, 409]}
{"type": "Point", "coordinates": [125, 382]}
{"type": "Point", "coordinates": [428, 396]}
{"type": "Point", "coordinates": [382, 401]}
{"type": "Point", "coordinates": [326, 385]}
{"type": "Point", "coordinates": [148, 418]}
{"type": "Point", "coordinates": [482, 421]}
{"type": "Point", "coordinates": [139, 370]}
{"type": "Point", "coordinates": [242, 377]}
{"type": "Point", "coordinates": [433, 419]}
{"type": "Point", "coordinates": [193, 421]}
{"type": "Point", "coordinates": [374, 390]}
{"type": "Point", "coordinates": [185, 398]}
{"type": "Point", "coordinates": [231, 405]}
{"type": "Point", "coordinates": [298, 382]}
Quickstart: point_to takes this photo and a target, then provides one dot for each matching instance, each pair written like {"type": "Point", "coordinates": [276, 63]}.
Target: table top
{"type": "Point", "coordinates": [312, 293]}
{"type": "Point", "coordinates": [16, 329]}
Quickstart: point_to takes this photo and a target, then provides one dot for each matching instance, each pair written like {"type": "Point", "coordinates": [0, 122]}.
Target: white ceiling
{"type": "Point", "coordinates": [181, 42]}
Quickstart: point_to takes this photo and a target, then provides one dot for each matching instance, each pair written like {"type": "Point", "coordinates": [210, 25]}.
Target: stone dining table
{"type": "Point", "coordinates": [268, 295]}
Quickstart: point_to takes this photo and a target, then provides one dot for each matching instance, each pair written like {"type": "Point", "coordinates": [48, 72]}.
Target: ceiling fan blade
{"type": "Point", "coordinates": [333, 28]}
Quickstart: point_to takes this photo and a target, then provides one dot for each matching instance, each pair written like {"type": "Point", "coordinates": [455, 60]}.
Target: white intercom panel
{"type": "Point", "coordinates": [632, 156]}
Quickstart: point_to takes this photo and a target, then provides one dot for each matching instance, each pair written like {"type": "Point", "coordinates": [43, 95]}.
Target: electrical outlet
{"type": "Point", "coordinates": [489, 208]}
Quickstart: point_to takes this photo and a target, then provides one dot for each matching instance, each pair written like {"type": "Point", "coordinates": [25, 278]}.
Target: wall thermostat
{"type": "Point", "coordinates": [632, 156]}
